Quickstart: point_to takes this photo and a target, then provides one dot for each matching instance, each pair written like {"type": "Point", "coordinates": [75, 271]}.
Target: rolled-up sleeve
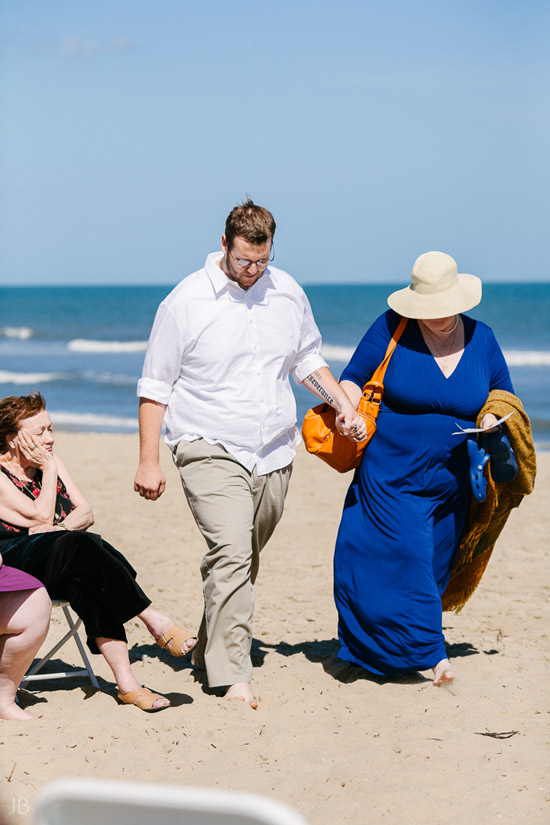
{"type": "Point", "coordinates": [308, 358]}
{"type": "Point", "coordinates": [163, 358]}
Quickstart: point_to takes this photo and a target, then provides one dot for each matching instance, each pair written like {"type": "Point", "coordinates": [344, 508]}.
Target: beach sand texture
{"type": "Point", "coordinates": [330, 740]}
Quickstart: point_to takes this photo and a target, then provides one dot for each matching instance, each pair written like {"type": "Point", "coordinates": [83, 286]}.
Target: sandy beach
{"type": "Point", "coordinates": [330, 740]}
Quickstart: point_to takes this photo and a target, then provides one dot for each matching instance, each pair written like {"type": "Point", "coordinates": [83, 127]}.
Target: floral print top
{"type": "Point", "coordinates": [32, 489]}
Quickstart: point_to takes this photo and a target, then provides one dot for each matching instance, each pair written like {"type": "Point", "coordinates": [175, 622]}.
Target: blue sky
{"type": "Point", "coordinates": [374, 131]}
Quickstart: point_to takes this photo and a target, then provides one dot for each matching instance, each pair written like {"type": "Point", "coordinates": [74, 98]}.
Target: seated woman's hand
{"type": "Point", "coordinates": [34, 454]}
{"type": "Point", "coordinates": [44, 528]}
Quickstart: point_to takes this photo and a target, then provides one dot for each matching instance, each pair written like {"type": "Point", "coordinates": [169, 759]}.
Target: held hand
{"type": "Point", "coordinates": [349, 423]}
{"type": "Point", "coordinates": [358, 428]}
{"type": "Point", "coordinates": [489, 422]}
{"type": "Point", "coordinates": [33, 454]}
{"type": "Point", "coordinates": [150, 482]}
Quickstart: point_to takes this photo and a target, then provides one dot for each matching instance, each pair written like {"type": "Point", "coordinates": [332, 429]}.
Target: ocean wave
{"type": "Point", "coordinates": [335, 353]}
{"type": "Point", "coordinates": [110, 378]}
{"type": "Point", "coordinates": [88, 375]}
{"type": "Point", "coordinates": [93, 420]}
{"type": "Point", "coordinates": [514, 357]}
{"type": "Point", "coordinates": [30, 377]}
{"type": "Point", "coordinates": [87, 345]}
{"type": "Point", "coordinates": [21, 333]}
{"type": "Point", "coordinates": [527, 358]}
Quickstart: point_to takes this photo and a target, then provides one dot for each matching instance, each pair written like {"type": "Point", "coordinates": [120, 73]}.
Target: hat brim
{"type": "Point", "coordinates": [462, 296]}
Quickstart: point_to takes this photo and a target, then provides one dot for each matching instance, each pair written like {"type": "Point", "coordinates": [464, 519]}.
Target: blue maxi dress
{"type": "Point", "coordinates": [406, 507]}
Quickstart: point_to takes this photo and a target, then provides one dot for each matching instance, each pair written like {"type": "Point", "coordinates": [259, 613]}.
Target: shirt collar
{"type": "Point", "coordinates": [259, 292]}
{"type": "Point", "coordinates": [219, 279]}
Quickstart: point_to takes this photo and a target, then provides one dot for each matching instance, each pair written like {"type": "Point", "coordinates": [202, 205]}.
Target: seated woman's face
{"type": "Point", "coordinates": [40, 427]}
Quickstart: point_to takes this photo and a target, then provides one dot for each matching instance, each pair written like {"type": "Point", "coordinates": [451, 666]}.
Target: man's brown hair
{"type": "Point", "coordinates": [251, 222]}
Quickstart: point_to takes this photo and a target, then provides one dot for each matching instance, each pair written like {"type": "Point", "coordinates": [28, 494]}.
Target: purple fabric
{"type": "Point", "coordinates": [13, 579]}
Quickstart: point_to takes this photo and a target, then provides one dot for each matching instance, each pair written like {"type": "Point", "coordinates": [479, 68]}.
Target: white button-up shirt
{"type": "Point", "coordinates": [220, 358]}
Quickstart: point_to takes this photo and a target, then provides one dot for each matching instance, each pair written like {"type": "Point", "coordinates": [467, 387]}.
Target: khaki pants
{"type": "Point", "coordinates": [236, 512]}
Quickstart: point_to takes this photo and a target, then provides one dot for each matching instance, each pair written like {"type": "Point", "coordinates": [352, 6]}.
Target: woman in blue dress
{"type": "Point", "coordinates": [406, 507]}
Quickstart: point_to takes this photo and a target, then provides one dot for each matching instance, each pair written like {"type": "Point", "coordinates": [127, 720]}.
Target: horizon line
{"type": "Point", "coordinates": [303, 283]}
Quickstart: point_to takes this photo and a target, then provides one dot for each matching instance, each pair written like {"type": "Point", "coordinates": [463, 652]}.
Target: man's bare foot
{"type": "Point", "coordinates": [243, 692]}
{"type": "Point", "coordinates": [443, 674]}
{"type": "Point", "coordinates": [16, 713]}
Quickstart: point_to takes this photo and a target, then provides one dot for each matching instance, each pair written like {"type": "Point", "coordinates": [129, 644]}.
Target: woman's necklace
{"type": "Point", "coordinates": [442, 331]}
{"type": "Point", "coordinates": [21, 475]}
{"type": "Point", "coordinates": [444, 349]}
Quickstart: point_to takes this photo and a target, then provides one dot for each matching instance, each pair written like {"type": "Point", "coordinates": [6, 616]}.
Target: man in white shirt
{"type": "Point", "coordinates": [223, 345]}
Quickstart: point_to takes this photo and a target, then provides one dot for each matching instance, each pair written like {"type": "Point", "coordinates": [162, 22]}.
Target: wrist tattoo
{"type": "Point", "coordinates": [320, 389]}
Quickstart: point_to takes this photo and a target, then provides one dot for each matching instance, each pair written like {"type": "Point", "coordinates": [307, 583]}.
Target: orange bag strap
{"type": "Point", "coordinates": [380, 371]}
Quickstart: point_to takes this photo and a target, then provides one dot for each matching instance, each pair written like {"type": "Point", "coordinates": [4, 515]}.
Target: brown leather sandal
{"type": "Point", "coordinates": [178, 636]}
{"type": "Point", "coordinates": [142, 698]}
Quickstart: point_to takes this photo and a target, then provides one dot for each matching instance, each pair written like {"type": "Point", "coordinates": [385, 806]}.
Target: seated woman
{"type": "Point", "coordinates": [43, 522]}
{"type": "Point", "coordinates": [24, 620]}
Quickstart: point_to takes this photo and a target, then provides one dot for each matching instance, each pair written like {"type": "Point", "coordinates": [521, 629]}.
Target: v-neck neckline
{"type": "Point", "coordinates": [432, 356]}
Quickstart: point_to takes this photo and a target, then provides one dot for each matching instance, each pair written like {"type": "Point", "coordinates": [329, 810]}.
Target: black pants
{"type": "Point", "coordinates": [81, 568]}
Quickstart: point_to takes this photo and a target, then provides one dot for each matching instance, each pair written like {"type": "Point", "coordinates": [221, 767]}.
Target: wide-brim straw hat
{"type": "Point", "coordinates": [437, 290]}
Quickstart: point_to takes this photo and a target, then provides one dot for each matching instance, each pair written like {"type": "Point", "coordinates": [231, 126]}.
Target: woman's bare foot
{"type": "Point", "coordinates": [16, 713]}
{"type": "Point", "coordinates": [243, 692]}
{"type": "Point", "coordinates": [443, 674]}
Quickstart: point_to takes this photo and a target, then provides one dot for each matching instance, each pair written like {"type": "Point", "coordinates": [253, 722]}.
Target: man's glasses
{"type": "Point", "coordinates": [261, 264]}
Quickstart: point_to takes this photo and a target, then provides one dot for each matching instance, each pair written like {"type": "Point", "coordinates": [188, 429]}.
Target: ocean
{"type": "Point", "coordinates": [83, 347]}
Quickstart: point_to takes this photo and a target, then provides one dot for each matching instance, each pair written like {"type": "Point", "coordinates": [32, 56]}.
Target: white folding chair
{"type": "Point", "coordinates": [91, 802]}
{"type": "Point", "coordinates": [34, 674]}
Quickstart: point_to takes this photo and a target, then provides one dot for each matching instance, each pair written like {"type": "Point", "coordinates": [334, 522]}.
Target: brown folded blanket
{"type": "Point", "coordinates": [486, 520]}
